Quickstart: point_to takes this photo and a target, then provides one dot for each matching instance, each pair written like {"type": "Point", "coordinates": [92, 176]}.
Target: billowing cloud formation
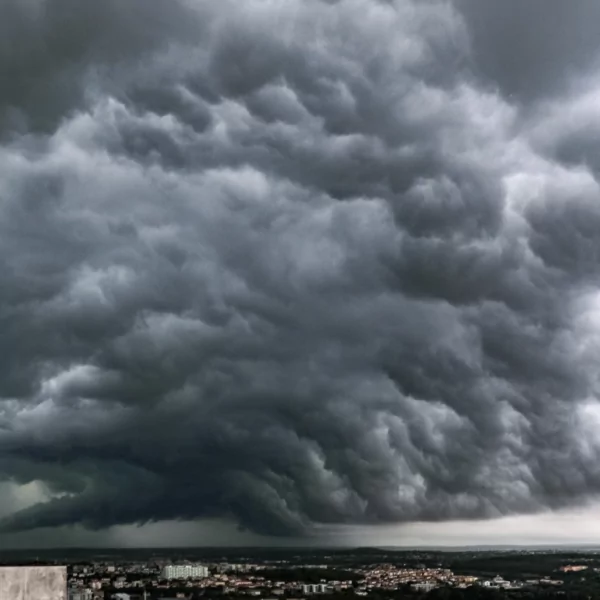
{"type": "Point", "coordinates": [295, 263]}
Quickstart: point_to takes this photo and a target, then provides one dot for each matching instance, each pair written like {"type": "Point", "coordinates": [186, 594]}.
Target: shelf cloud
{"type": "Point", "coordinates": [299, 263]}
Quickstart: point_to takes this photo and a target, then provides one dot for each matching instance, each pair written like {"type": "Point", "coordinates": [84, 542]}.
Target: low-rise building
{"type": "Point", "coordinates": [314, 588]}
{"type": "Point", "coordinates": [190, 571]}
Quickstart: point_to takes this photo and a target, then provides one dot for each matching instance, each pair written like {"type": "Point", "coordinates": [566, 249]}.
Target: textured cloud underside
{"type": "Point", "coordinates": [301, 262]}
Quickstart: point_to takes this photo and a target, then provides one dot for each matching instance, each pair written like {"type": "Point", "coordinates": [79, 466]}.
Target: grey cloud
{"type": "Point", "coordinates": [301, 268]}
{"type": "Point", "coordinates": [53, 51]}
{"type": "Point", "coordinates": [532, 49]}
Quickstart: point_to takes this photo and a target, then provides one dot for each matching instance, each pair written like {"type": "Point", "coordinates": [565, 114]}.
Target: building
{"type": "Point", "coordinates": [80, 594]}
{"type": "Point", "coordinates": [192, 571]}
{"type": "Point", "coordinates": [316, 588]}
{"type": "Point", "coordinates": [497, 582]}
{"type": "Point", "coordinates": [424, 586]}
{"type": "Point", "coordinates": [33, 583]}
{"type": "Point", "coordinates": [573, 568]}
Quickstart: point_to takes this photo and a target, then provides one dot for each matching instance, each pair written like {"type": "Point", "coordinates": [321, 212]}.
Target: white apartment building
{"type": "Point", "coordinates": [318, 588]}
{"type": "Point", "coordinates": [184, 571]}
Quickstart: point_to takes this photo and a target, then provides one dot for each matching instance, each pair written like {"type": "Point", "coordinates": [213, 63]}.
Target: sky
{"type": "Point", "coordinates": [318, 272]}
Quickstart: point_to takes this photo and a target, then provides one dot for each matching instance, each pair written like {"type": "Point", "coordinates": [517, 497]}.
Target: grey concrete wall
{"type": "Point", "coordinates": [33, 583]}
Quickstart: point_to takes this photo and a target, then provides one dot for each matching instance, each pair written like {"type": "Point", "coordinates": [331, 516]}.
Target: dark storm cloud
{"type": "Point", "coordinates": [291, 263]}
{"type": "Point", "coordinates": [534, 48]}
{"type": "Point", "coordinates": [53, 50]}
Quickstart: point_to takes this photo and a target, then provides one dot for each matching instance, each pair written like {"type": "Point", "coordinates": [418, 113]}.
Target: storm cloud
{"type": "Point", "coordinates": [294, 262]}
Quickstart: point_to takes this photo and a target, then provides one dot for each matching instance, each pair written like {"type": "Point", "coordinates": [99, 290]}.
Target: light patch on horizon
{"type": "Point", "coordinates": [565, 528]}
{"type": "Point", "coordinates": [571, 527]}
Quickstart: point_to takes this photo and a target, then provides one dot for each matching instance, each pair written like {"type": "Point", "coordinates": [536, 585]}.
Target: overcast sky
{"type": "Point", "coordinates": [299, 271]}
